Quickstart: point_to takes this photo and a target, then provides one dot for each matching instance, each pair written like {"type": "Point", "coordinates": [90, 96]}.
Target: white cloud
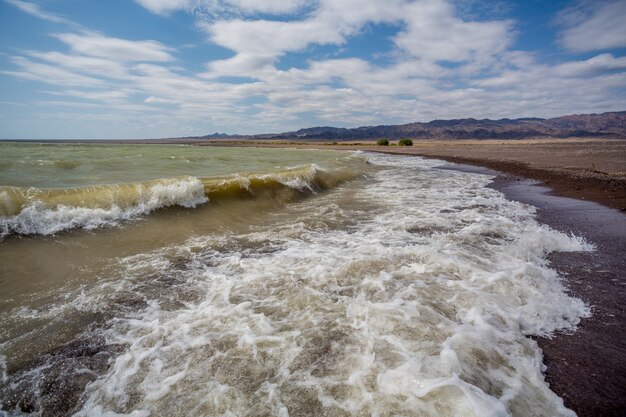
{"type": "Point", "coordinates": [159, 100]}
{"type": "Point", "coordinates": [488, 78]}
{"type": "Point", "coordinates": [35, 10]}
{"type": "Point", "coordinates": [431, 33]}
{"type": "Point", "coordinates": [258, 43]}
{"type": "Point", "coordinates": [531, 73]}
{"type": "Point", "coordinates": [95, 66]}
{"type": "Point", "coordinates": [267, 37]}
{"type": "Point", "coordinates": [434, 33]}
{"type": "Point", "coordinates": [50, 74]}
{"type": "Point", "coordinates": [553, 90]}
{"type": "Point", "coordinates": [593, 66]}
{"type": "Point", "coordinates": [267, 6]}
{"type": "Point", "coordinates": [163, 7]}
{"type": "Point", "coordinates": [95, 45]}
{"type": "Point", "coordinates": [593, 25]}
{"type": "Point", "coordinates": [108, 96]}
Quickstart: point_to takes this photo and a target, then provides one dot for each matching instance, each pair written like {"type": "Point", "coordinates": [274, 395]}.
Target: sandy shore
{"type": "Point", "coordinates": [578, 186]}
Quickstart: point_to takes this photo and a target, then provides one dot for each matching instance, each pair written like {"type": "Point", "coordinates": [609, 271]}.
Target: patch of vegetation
{"type": "Point", "coordinates": [382, 142]}
{"type": "Point", "coordinates": [405, 142]}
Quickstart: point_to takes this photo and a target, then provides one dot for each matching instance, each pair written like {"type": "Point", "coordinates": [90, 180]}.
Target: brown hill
{"type": "Point", "coordinates": [611, 124]}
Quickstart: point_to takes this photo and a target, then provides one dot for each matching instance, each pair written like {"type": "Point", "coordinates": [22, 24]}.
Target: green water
{"type": "Point", "coordinates": [68, 165]}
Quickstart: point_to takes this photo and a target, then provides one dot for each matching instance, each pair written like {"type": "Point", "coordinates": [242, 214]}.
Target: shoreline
{"type": "Point", "coordinates": [587, 367]}
{"type": "Point", "coordinates": [604, 189]}
{"type": "Point", "coordinates": [585, 169]}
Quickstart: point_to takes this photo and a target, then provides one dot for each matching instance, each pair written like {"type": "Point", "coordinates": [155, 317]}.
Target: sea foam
{"type": "Point", "coordinates": [420, 305]}
{"type": "Point", "coordinates": [31, 211]}
{"type": "Point", "coordinates": [38, 216]}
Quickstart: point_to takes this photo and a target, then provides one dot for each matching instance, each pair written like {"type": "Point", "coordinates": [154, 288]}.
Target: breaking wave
{"type": "Point", "coordinates": [411, 292]}
{"type": "Point", "coordinates": [33, 211]}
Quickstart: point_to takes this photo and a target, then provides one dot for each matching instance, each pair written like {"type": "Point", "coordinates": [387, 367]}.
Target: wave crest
{"type": "Point", "coordinates": [32, 211]}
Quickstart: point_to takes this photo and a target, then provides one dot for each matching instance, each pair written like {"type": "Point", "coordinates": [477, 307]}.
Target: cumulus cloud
{"type": "Point", "coordinates": [593, 25]}
{"type": "Point", "coordinates": [434, 33]}
{"type": "Point", "coordinates": [431, 33]}
{"type": "Point", "coordinates": [258, 43]}
{"type": "Point", "coordinates": [439, 64]}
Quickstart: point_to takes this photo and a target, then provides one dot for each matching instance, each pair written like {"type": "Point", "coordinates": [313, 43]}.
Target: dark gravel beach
{"type": "Point", "coordinates": [586, 368]}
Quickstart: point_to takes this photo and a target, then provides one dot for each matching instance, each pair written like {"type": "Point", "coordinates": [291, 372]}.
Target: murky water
{"type": "Point", "coordinates": [314, 284]}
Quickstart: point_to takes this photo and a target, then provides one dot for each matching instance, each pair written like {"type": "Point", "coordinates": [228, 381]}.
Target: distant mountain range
{"type": "Point", "coordinates": [612, 124]}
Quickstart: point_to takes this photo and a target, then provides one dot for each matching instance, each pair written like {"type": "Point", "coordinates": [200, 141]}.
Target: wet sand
{"type": "Point", "coordinates": [578, 186]}
{"type": "Point", "coordinates": [586, 368]}
{"type": "Point", "coordinates": [584, 169]}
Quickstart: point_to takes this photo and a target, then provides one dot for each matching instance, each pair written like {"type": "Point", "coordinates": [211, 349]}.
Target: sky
{"type": "Point", "coordinates": [87, 69]}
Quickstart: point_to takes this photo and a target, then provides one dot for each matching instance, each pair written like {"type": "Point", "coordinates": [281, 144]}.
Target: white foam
{"type": "Point", "coordinates": [419, 305]}
{"type": "Point", "coordinates": [38, 218]}
{"type": "Point", "coordinates": [4, 377]}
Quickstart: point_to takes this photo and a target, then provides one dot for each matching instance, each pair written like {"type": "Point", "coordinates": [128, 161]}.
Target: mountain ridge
{"type": "Point", "coordinates": [608, 124]}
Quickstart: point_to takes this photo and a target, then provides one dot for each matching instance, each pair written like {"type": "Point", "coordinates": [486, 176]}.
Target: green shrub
{"type": "Point", "coordinates": [405, 142]}
{"type": "Point", "coordinates": [382, 142]}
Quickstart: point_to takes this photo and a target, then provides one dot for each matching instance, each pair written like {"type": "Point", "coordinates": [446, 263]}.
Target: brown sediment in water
{"type": "Point", "coordinates": [578, 186]}
{"type": "Point", "coordinates": [587, 367]}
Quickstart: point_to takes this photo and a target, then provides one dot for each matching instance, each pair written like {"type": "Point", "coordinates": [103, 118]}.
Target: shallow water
{"type": "Point", "coordinates": [344, 288]}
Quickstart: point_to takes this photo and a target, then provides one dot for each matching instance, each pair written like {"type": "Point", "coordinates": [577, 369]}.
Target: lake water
{"type": "Point", "coordinates": [151, 280]}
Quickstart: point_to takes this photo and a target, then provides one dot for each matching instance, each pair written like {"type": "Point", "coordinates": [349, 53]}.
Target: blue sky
{"type": "Point", "coordinates": [166, 68]}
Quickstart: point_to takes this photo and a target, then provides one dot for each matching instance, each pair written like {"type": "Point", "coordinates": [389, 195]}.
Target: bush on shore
{"type": "Point", "coordinates": [382, 142]}
{"type": "Point", "coordinates": [405, 142]}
